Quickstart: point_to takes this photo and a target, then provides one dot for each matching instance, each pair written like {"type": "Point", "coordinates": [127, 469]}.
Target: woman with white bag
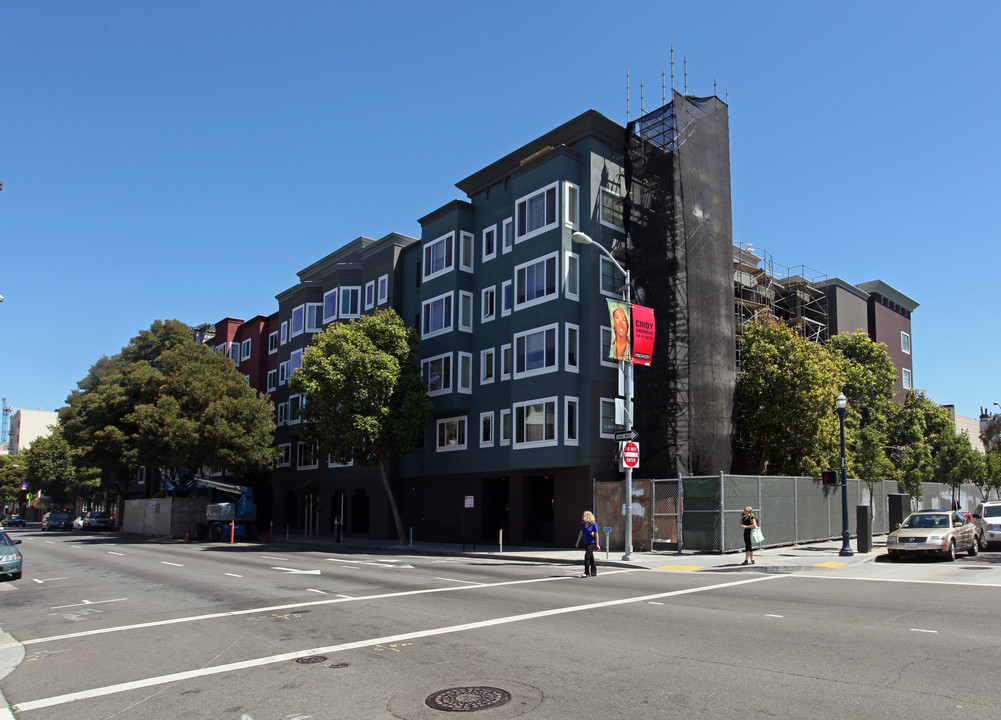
{"type": "Point", "coordinates": [749, 523]}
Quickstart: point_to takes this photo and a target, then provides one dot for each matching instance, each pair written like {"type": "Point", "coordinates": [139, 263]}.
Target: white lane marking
{"type": "Point", "coordinates": [234, 575]}
{"type": "Point", "coordinates": [285, 657]}
{"type": "Point", "coordinates": [924, 631]}
{"type": "Point", "coordinates": [654, 603]}
{"type": "Point", "coordinates": [268, 557]}
{"type": "Point", "coordinates": [316, 591]}
{"type": "Point", "coordinates": [293, 571]}
{"type": "Point", "coordinates": [471, 582]}
{"type": "Point", "coordinates": [164, 562]}
{"type": "Point", "coordinates": [902, 580]}
{"type": "Point", "coordinates": [87, 602]}
{"type": "Point", "coordinates": [42, 582]}
{"type": "Point", "coordinates": [774, 616]}
{"type": "Point", "coordinates": [387, 566]}
{"type": "Point", "coordinates": [358, 562]}
{"type": "Point", "coordinates": [293, 606]}
{"type": "Point", "coordinates": [112, 552]}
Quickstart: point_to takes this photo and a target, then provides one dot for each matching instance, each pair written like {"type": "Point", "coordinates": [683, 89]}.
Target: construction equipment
{"type": "Point", "coordinates": [236, 519]}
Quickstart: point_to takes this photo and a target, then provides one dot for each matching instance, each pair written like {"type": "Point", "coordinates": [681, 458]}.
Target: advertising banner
{"type": "Point", "coordinates": [644, 331]}
{"type": "Point", "coordinates": [620, 348]}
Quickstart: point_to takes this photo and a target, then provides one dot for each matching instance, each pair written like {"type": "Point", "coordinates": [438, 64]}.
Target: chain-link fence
{"type": "Point", "coordinates": [703, 513]}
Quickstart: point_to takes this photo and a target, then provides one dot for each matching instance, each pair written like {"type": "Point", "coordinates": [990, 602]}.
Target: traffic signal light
{"type": "Point", "coordinates": [830, 477]}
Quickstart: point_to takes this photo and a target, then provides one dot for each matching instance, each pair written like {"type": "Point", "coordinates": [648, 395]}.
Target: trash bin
{"type": "Point", "coordinates": [863, 528]}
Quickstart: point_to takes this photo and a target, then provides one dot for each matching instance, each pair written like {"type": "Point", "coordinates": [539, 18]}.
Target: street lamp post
{"type": "Point", "coordinates": [846, 548]}
{"type": "Point", "coordinates": [627, 370]}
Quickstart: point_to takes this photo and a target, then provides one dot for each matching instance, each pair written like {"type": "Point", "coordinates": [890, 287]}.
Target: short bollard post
{"type": "Point", "coordinates": [607, 531]}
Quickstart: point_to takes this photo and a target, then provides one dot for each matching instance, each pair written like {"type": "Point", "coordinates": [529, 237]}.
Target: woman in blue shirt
{"type": "Point", "coordinates": [589, 534]}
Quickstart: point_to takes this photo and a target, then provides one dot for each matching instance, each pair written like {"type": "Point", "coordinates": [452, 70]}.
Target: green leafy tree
{"type": "Point", "coordinates": [956, 462]}
{"type": "Point", "coordinates": [12, 472]}
{"type": "Point", "coordinates": [916, 431]}
{"type": "Point", "coordinates": [787, 424]}
{"type": "Point", "coordinates": [167, 402]}
{"type": "Point", "coordinates": [367, 401]}
{"type": "Point", "coordinates": [54, 466]}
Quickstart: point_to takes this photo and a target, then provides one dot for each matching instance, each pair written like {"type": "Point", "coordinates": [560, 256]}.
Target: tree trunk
{"type": "Point", "coordinates": [392, 500]}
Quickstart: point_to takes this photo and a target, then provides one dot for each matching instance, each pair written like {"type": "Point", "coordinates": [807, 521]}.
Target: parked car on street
{"type": "Point", "coordinates": [13, 521]}
{"type": "Point", "coordinates": [56, 521]}
{"type": "Point", "coordinates": [987, 517]}
{"type": "Point", "coordinates": [97, 520]}
{"type": "Point", "coordinates": [933, 532]}
{"type": "Point", "coordinates": [10, 557]}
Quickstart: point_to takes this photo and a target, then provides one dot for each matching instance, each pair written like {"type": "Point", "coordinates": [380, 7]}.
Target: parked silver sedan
{"type": "Point", "coordinates": [10, 557]}
{"type": "Point", "coordinates": [933, 532]}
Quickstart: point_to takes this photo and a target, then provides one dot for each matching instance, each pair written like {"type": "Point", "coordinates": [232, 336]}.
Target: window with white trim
{"type": "Point", "coordinates": [314, 317]}
{"type": "Point", "coordinates": [507, 361]}
{"type": "Point", "coordinates": [437, 373]}
{"type": "Point", "coordinates": [505, 427]}
{"type": "Point", "coordinates": [487, 366]}
{"type": "Point", "coordinates": [283, 372]}
{"type": "Point", "coordinates": [466, 244]}
{"type": "Point", "coordinates": [306, 457]}
{"type": "Point", "coordinates": [535, 423]}
{"type": "Point", "coordinates": [383, 289]}
{"type": "Point", "coordinates": [245, 350]}
{"type": "Point", "coordinates": [436, 315]}
{"type": "Point", "coordinates": [465, 311]}
{"type": "Point", "coordinates": [272, 380]}
{"type": "Point", "coordinates": [370, 294]}
{"type": "Point", "coordinates": [507, 235]}
{"type": "Point", "coordinates": [282, 413]}
{"type": "Point", "coordinates": [611, 209]}
{"type": "Point", "coordinates": [490, 243]}
{"type": "Point", "coordinates": [284, 454]}
{"type": "Point", "coordinates": [451, 434]}
{"type": "Point", "coordinates": [536, 213]}
{"type": "Point", "coordinates": [284, 332]}
{"type": "Point", "coordinates": [294, 409]}
{"type": "Point", "coordinates": [611, 279]}
{"type": "Point", "coordinates": [272, 343]}
{"type": "Point", "coordinates": [350, 302]}
{"type": "Point", "coordinates": [438, 256]}
{"type": "Point", "coordinates": [570, 421]}
{"type": "Point", "coordinates": [906, 378]}
{"type": "Point", "coordinates": [330, 305]}
{"type": "Point", "coordinates": [571, 208]}
{"type": "Point", "coordinates": [507, 298]}
{"type": "Point", "coordinates": [294, 362]}
{"type": "Point", "coordinates": [608, 425]}
{"type": "Point", "coordinates": [234, 353]}
{"type": "Point", "coordinates": [605, 347]}
{"type": "Point", "coordinates": [572, 343]}
{"type": "Point", "coordinates": [465, 372]}
{"type": "Point", "coordinates": [535, 281]}
{"type": "Point", "coordinates": [535, 351]}
{"type": "Point", "coordinates": [298, 320]}
{"type": "Point", "coordinates": [488, 303]}
{"type": "Point", "coordinates": [571, 276]}
{"type": "Point", "coordinates": [221, 348]}
{"type": "Point", "coordinates": [905, 343]}
{"type": "Point", "coordinates": [487, 429]}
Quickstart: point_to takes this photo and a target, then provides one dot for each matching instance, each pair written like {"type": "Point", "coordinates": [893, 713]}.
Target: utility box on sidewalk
{"type": "Point", "coordinates": [898, 507]}
{"type": "Point", "coordinates": [863, 528]}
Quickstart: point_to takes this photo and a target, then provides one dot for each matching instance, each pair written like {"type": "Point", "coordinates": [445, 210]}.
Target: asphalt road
{"type": "Point", "coordinates": [111, 628]}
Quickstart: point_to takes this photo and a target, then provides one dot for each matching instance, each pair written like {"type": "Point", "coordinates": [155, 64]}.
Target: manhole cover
{"type": "Point", "coordinates": [311, 659]}
{"type": "Point", "coordinates": [467, 699]}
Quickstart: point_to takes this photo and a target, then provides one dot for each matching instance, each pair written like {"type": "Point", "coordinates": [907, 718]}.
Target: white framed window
{"type": "Point", "coordinates": [370, 294]}
{"type": "Point", "coordinates": [283, 372]}
{"type": "Point", "coordinates": [451, 434]}
{"type": "Point", "coordinates": [536, 351]}
{"type": "Point", "coordinates": [611, 279]}
{"type": "Point", "coordinates": [535, 423]}
{"type": "Point", "coordinates": [294, 361]}
{"type": "Point", "coordinates": [272, 380]}
{"type": "Point", "coordinates": [465, 372]}
{"type": "Point", "coordinates": [284, 454]}
{"type": "Point", "coordinates": [608, 425]}
{"type": "Point", "coordinates": [490, 243]}
{"type": "Point", "coordinates": [505, 426]}
{"type": "Point", "coordinates": [437, 373]}
{"type": "Point", "coordinates": [306, 457]}
{"type": "Point", "coordinates": [506, 361]}
{"type": "Point", "coordinates": [465, 311]}
{"type": "Point", "coordinates": [245, 350]}
{"type": "Point", "coordinates": [350, 302]}
{"type": "Point", "coordinates": [330, 305]}
{"type": "Point", "coordinates": [486, 429]}
{"type": "Point", "coordinates": [438, 258]}
{"type": "Point", "coordinates": [611, 209]}
{"type": "Point", "coordinates": [605, 347]}
{"type": "Point", "coordinates": [282, 414]}
{"type": "Point", "coordinates": [536, 213]}
{"type": "Point", "coordinates": [507, 298]}
{"type": "Point", "coordinates": [466, 244]}
{"type": "Point", "coordinates": [906, 378]}
{"type": "Point", "coordinates": [571, 430]}
{"type": "Point", "coordinates": [571, 276]}
{"type": "Point", "coordinates": [507, 235]}
{"type": "Point", "coordinates": [571, 206]}
{"type": "Point", "coordinates": [905, 343]}
{"type": "Point", "coordinates": [572, 343]}
{"type": "Point", "coordinates": [383, 289]}
{"type": "Point", "coordinates": [314, 317]}
{"type": "Point", "coordinates": [272, 343]}
{"type": "Point", "coordinates": [436, 315]}
{"type": "Point", "coordinates": [487, 366]}
{"type": "Point", "coordinates": [535, 281]}
{"type": "Point", "coordinates": [284, 332]}
{"type": "Point", "coordinates": [488, 303]}
{"type": "Point", "coordinates": [298, 326]}
{"type": "Point", "coordinates": [234, 353]}
{"type": "Point", "coordinates": [294, 409]}
{"type": "Point", "coordinates": [221, 348]}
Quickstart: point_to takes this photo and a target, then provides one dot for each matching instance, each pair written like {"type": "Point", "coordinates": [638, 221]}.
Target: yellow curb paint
{"type": "Point", "coordinates": [830, 564]}
{"type": "Point", "coordinates": [681, 567]}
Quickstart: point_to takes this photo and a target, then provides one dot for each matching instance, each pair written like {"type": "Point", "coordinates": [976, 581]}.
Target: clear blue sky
{"type": "Point", "coordinates": [185, 159]}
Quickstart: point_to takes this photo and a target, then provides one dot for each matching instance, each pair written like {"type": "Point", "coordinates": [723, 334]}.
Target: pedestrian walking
{"type": "Point", "coordinates": [589, 534]}
{"type": "Point", "coordinates": [748, 522]}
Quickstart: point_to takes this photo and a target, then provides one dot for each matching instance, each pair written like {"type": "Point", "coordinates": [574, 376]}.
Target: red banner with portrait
{"type": "Point", "coordinates": [644, 332]}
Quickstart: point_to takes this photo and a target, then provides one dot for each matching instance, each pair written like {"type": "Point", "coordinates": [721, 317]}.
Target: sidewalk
{"type": "Point", "coordinates": [776, 560]}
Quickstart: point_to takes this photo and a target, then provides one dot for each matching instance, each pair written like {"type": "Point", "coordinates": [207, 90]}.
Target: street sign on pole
{"type": "Point", "coordinates": [626, 435]}
{"type": "Point", "coordinates": [629, 453]}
